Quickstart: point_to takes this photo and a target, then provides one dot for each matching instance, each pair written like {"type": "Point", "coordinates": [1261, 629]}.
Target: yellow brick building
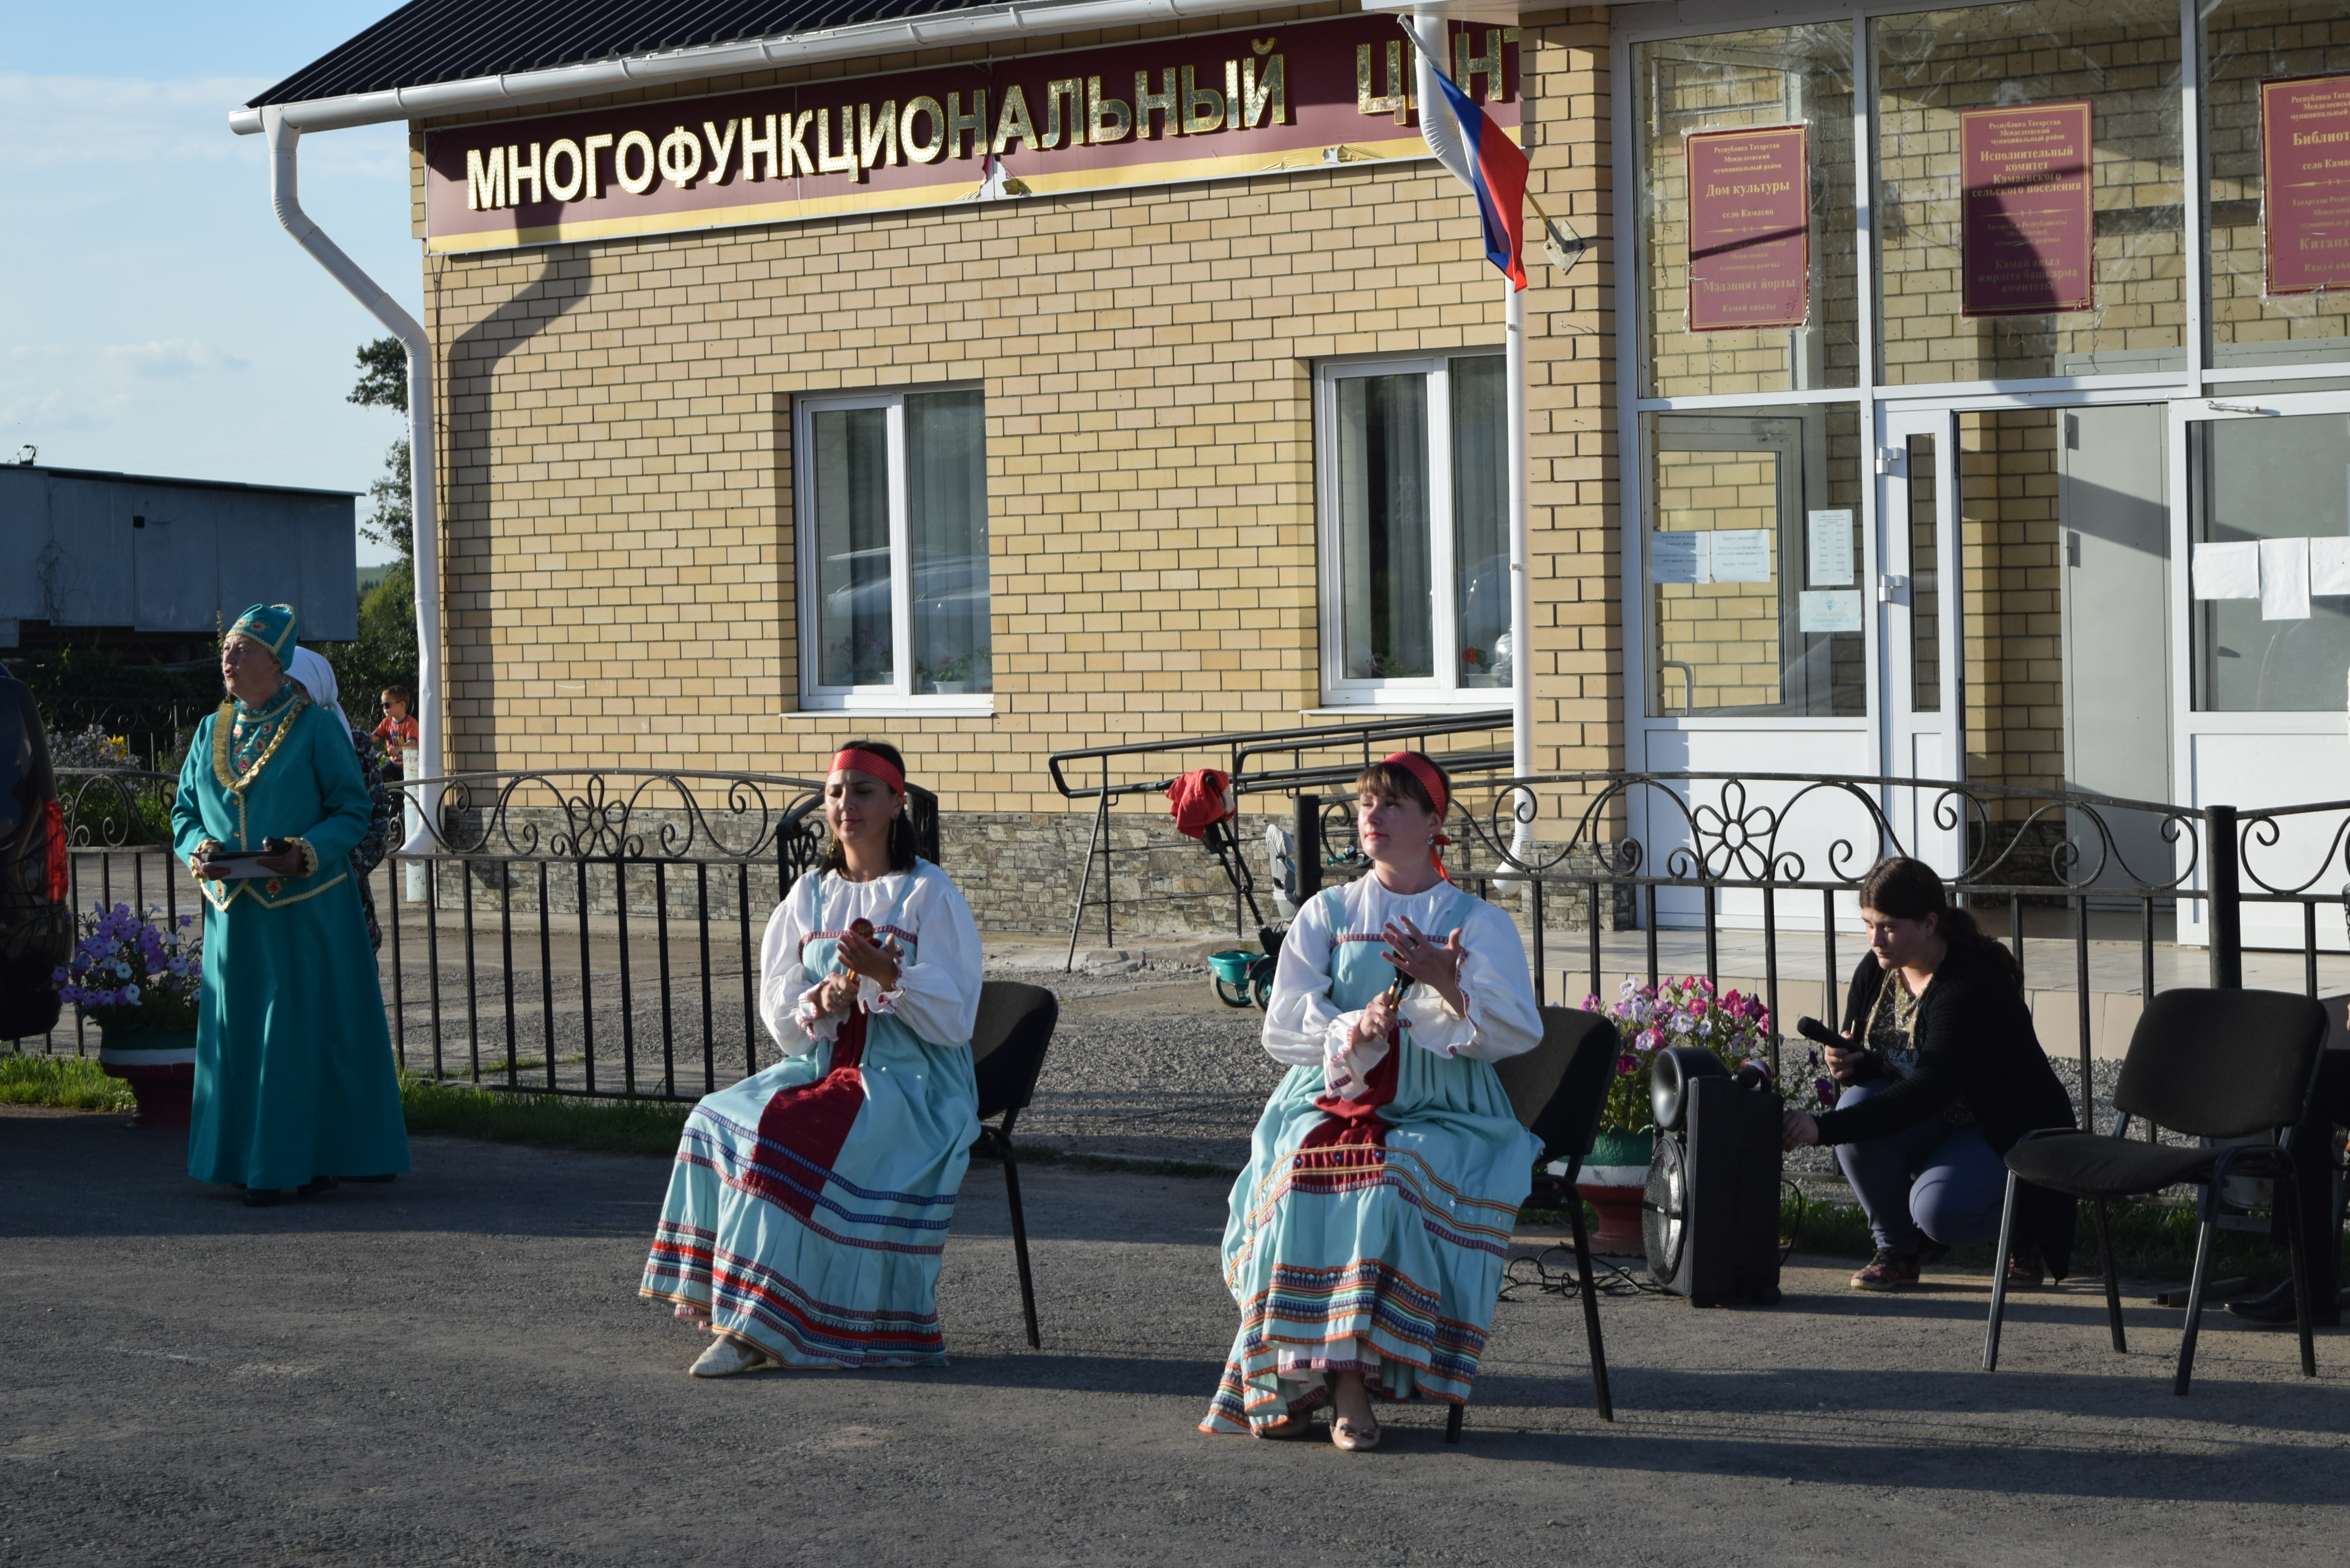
{"type": "Point", "coordinates": [1102, 447]}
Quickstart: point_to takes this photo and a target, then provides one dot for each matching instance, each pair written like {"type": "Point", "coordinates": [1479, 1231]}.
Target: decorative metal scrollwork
{"type": "Point", "coordinates": [628, 814]}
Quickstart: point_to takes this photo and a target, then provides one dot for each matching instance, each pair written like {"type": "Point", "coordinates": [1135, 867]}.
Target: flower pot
{"type": "Point", "coordinates": [160, 1066]}
{"type": "Point", "coordinates": [1611, 1182]}
{"type": "Point", "coordinates": [950, 688]}
{"type": "Point", "coordinates": [1480, 679]}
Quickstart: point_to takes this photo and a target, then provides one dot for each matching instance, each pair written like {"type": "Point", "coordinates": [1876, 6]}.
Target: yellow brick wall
{"type": "Point", "coordinates": [617, 484]}
{"type": "Point", "coordinates": [2012, 627]}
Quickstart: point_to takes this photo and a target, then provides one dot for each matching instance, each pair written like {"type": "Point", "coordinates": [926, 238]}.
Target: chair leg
{"type": "Point", "coordinates": [2195, 1286]}
{"type": "Point", "coordinates": [1020, 1238]}
{"type": "Point", "coordinates": [1999, 1279]}
{"type": "Point", "coordinates": [2289, 1189]}
{"type": "Point", "coordinates": [1591, 1310]}
{"type": "Point", "coordinates": [2113, 1281]}
{"type": "Point", "coordinates": [1452, 1423]}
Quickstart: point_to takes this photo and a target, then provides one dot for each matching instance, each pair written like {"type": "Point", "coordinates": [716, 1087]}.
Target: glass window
{"type": "Point", "coordinates": [2270, 479]}
{"type": "Point", "coordinates": [2246, 43]}
{"type": "Point", "coordinates": [1735, 81]}
{"type": "Point", "coordinates": [1736, 626]}
{"type": "Point", "coordinates": [894, 529]}
{"type": "Point", "coordinates": [1946, 314]}
{"type": "Point", "coordinates": [1416, 552]}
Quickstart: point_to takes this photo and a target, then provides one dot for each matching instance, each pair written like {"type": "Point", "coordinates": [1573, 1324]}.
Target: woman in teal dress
{"type": "Point", "coordinates": [295, 1079]}
{"type": "Point", "coordinates": [809, 1203]}
{"type": "Point", "coordinates": [1369, 1233]}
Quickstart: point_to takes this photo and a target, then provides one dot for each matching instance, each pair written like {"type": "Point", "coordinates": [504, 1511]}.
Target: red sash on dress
{"type": "Point", "coordinates": [812, 1122]}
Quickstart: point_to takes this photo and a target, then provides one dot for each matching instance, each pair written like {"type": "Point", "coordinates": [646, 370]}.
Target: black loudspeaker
{"type": "Point", "coordinates": [1709, 1215]}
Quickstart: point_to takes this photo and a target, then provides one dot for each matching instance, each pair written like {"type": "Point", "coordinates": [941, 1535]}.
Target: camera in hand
{"type": "Point", "coordinates": [1710, 1214]}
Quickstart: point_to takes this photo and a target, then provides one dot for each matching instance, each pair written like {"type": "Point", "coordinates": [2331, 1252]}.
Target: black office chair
{"type": "Point", "coordinates": [2209, 1063]}
{"type": "Point", "coordinates": [1007, 1051]}
{"type": "Point", "coordinates": [1558, 1091]}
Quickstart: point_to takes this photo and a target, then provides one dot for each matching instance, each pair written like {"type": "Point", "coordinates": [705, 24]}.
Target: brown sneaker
{"type": "Point", "coordinates": [1886, 1272]}
{"type": "Point", "coordinates": [2024, 1270]}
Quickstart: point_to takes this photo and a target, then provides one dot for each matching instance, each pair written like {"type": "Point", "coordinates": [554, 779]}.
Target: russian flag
{"type": "Point", "coordinates": [1482, 157]}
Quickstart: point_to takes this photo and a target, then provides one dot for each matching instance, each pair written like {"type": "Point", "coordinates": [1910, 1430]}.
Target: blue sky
{"type": "Point", "coordinates": [157, 320]}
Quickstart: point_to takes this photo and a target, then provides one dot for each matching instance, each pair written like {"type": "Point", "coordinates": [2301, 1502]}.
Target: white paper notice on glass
{"type": "Point", "coordinates": [2228, 571]}
{"type": "Point", "coordinates": [1742, 554]}
{"type": "Point", "coordinates": [1831, 609]}
{"type": "Point", "coordinates": [1678, 559]}
{"type": "Point", "coordinates": [1828, 537]}
{"type": "Point", "coordinates": [2284, 578]}
{"type": "Point", "coordinates": [2329, 566]}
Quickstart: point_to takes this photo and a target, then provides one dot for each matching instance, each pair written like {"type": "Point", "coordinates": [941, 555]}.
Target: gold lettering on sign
{"type": "Point", "coordinates": [1107, 118]}
{"type": "Point", "coordinates": [795, 140]}
{"type": "Point", "coordinates": [1399, 95]}
{"type": "Point", "coordinates": [1074, 90]}
{"type": "Point", "coordinates": [640, 182]}
{"type": "Point", "coordinates": [594, 145]}
{"type": "Point", "coordinates": [916, 152]}
{"type": "Point", "coordinates": [1015, 121]}
{"type": "Point", "coordinates": [1467, 68]}
{"type": "Point", "coordinates": [958, 123]}
{"type": "Point", "coordinates": [1259, 94]}
{"type": "Point", "coordinates": [565, 189]}
{"type": "Point", "coordinates": [721, 148]}
{"type": "Point", "coordinates": [486, 183]}
{"type": "Point", "coordinates": [826, 160]}
{"type": "Point", "coordinates": [681, 157]}
{"type": "Point", "coordinates": [517, 173]}
{"type": "Point", "coordinates": [1203, 107]}
{"type": "Point", "coordinates": [1166, 103]}
{"type": "Point", "coordinates": [752, 146]}
{"type": "Point", "coordinates": [877, 133]}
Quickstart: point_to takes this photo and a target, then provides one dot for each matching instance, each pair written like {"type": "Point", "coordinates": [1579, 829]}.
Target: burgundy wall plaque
{"type": "Point", "coordinates": [1750, 237]}
{"type": "Point", "coordinates": [2027, 226]}
{"type": "Point", "coordinates": [2305, 182]}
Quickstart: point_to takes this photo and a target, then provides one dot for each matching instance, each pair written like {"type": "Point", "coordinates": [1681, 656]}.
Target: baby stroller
{"type": "Point", "coordinates": [1205, 808]}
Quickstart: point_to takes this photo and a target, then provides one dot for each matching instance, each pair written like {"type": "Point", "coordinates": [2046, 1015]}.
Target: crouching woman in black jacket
{"type": "Point", "coordinates": [1943, 1074]}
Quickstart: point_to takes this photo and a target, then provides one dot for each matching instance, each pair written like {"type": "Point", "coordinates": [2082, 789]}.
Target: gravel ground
{"type": "Point", "coordinates": [455, 1369]}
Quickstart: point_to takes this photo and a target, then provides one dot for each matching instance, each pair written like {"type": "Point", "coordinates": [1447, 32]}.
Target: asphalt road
{"type": "Point", "coordinates": [455, 1369]}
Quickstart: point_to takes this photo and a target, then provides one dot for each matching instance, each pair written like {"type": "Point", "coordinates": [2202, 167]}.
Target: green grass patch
{"type": "Point", "coordinates": [73, 1083]}
{"type": "Point", "coordinates": [550, 1121]}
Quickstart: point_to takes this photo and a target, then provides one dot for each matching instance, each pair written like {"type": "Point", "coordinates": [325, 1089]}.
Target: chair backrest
{"type": "Point", "coordinates": [1559, 1088]}
{"type": "Point", "coordinates": [1007, 1043]}
{"type": "Point", "coordinates": [2222, 1063]}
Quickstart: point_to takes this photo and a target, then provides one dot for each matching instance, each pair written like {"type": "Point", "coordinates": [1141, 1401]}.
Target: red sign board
{"type": "Point", "coordinates": [1749, 235]}
{"type": "Point", "coordinates": [1215, 106]}
{"type": "Point", "coordinates": [2305, 182]}
{"type": "Point", "coordinates": [2027, 225]}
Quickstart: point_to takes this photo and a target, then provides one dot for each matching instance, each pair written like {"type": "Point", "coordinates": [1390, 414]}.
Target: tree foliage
{"type": "Point", "coordinates": [383, 376]}
{"type": "Point", "coordinates": [385, 651]}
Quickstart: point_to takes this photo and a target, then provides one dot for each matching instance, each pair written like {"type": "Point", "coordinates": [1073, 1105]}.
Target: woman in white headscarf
{"type": "Point", "coordinates": [315, 678]}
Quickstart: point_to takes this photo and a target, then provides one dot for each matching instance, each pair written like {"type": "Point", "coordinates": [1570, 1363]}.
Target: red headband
{"type": "Point", "coordinates": [1425, 771]}
{"type": "Point", "coordinates": [869, 763]}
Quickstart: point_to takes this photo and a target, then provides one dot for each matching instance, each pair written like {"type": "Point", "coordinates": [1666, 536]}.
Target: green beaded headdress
{"type": "Point", "coordinates": [272, 626]}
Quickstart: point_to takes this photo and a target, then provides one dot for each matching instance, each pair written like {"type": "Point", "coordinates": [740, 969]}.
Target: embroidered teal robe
{"type": "Point", "coordinates": [294, 1075]}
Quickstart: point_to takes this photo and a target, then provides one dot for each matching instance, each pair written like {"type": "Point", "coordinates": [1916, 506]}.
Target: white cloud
{"type": "Point", "coordinates": [88, 122]}
{"type": "Point", "coordinates": [48, 121]}
{"type": "Point", "coordinates": [166, 357]}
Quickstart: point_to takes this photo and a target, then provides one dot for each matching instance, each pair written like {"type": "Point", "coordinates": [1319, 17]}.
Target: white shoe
{"type": "Point", "coordinates": [727, 1356]}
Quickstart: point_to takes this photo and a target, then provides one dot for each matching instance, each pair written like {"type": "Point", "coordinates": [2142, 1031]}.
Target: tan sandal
{"type": "Point", "coordinates": [1345, 1434]}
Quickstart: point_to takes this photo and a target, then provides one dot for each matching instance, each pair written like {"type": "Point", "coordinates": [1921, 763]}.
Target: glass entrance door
{"type": "Point", "coordinates": [2262, 632]}
{"type": "Point", "coordinates": [1915, 597]}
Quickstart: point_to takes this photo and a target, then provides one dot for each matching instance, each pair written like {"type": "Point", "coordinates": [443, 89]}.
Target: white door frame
{"type": "Point", "coordinates": [2311, 758]}
{"type": "Point", "coordinates": [1920, 745]}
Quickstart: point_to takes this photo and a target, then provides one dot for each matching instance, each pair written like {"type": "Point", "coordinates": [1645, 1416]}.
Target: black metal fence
{"type": "Point", "coordinates": [597, 933]}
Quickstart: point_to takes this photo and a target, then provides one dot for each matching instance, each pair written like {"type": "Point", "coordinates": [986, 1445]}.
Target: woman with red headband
{"type": "Point", "coordinates": [810, 1202]}
{"type": "Point", "coordinates": [1369, 1233]}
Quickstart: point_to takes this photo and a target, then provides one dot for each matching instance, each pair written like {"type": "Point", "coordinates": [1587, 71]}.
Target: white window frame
{"type": "Point", "coordinates": [898, 695]}
{"type": "Point", "coordinates": [1403, 693]}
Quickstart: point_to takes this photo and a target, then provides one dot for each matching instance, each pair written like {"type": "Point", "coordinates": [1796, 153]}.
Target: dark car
{"type": "Point", "coordinates": [36, 926]}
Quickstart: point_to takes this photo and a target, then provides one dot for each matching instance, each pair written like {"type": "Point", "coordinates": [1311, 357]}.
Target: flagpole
{"type": "Point", "coordinates": [1429, 36]}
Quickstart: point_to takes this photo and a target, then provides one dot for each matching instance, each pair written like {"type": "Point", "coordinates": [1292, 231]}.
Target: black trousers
{"type": "Point", "coordinates": [2313, 1142]}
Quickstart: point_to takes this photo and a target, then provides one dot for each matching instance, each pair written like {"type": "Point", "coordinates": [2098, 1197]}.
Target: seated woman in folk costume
{"type": "Point", "coordinates": [1368, 1234]}
{"type": "Point", "coordinates": [810, 1202]}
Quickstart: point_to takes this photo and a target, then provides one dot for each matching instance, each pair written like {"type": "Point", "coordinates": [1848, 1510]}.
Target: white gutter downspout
{"type": "Point", "coordinates": [422, 461]}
